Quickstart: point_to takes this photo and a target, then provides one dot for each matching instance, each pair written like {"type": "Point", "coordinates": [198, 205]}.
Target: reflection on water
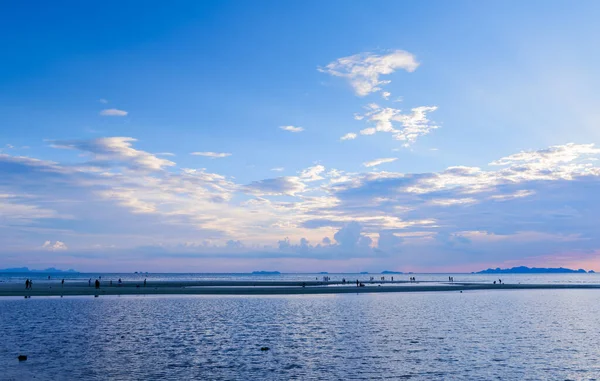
{"type": "Point", "coordinates": [525, 335]}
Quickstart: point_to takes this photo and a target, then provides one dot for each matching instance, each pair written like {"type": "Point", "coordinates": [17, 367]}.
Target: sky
{"type": "Point", "coordinates": [299, 136]}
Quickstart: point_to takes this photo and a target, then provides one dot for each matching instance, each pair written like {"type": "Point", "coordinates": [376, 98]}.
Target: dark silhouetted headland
{"type": "Point", "coordinates": [392, 272]}
{"type": "Point", "coordinates": [266, 272]}
{"type": "Point", "coordinates": [27, 270]}
{"type": "Point", "coordinates": [532, 270]}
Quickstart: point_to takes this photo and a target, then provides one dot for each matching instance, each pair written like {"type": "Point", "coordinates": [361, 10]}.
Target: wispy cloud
{"type": "Point", "coordinates": [292, 128]}
{"type": "Point", "coordinates": [113, 112]}
{"type": "Point", "coordinates": [115, 150]}
{"type": "Point", "coordinates": [349, 136]}
{"type": "Point", "coordinates": [377, 162]}
{"type": "Point", "coordinates": [277, 169]}
{"type": "Point", "coordinates": [103, 101]}
{"type": "Point", "coordinates": [212, 155]}
{"type": "Point", "coordinates": [404, 127]}
{"type": "Point", "coordinates": [312, 173]}
{"type": "Point", "coordinates": [552, 156]}
{"type": "Point", "coordinates": [56, 246]}
{"type": "Point", "coordinates": [363, 70]}
{"type": "Point", "coordinates": [164, 154]}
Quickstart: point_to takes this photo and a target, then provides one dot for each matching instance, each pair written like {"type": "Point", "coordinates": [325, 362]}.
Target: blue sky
{"type": "Point", "coordinates": [299, 136]}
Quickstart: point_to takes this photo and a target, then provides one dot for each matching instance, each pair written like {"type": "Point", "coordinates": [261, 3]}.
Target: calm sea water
{"type": "Point", "coordinates": [481, 335]}
{"type": "Point", "coordinates": [486, 278]}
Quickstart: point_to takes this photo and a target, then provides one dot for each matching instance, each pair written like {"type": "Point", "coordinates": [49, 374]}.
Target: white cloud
{"type": "Point", "coordinates": [277, 169]}
{"type": "Point", "coordinates": [363, 70]}
{"type": "Point", "coordinates": [312, 173]}
{"type": "Point", "coordinates": [349, 136]}
{"type": "Point", "coordinates": [56, 246]}
{"type": "Point", "coordinates": [386, 95]}
{"type": "Point", "coordinates": [551, 156]}
{"type": "Point", "coordinates": [453, 201]}
{"type": "Point", "coordinates": [376, 162]}
{"type": "Point", "coordinates": [113, 112]}
{"type": "Point", "coordinates": [404, 127]}
{"type": "Point", "coordinates": [165, 154]}
{"type": "Point", "coordinates": [212, 155]}
{"type": "Point", "coordinates": [510, 196]}
{"type": "Point", "coordinates": [102, 100]}
{"type": "Point", "coordinates": [117, 150]}
{"type": "Point", "coordinates": [368, 131]}
{"type": "Point", "coordinates": [292, 128]}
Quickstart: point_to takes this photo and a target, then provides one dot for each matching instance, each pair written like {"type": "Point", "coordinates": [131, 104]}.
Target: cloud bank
{"type": "Point", "coordinates": [114, 195]}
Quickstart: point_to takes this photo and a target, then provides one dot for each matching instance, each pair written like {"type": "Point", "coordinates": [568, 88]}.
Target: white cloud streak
{"type": "Point", "coordinates": [363, 70]}
{"type": "Point", "coordinates": [212, 155]}
{"type": "Point", "coordinates": [377, 162]}
{"type": "Point", "coordinates": [56, 246]}
{"type": "Point", "coordinates": [115, 150]}
{"type": "Point", "coordinates": [292, 128]}
{"type": "Point", "coordinates": [349, 136]}
{"type": "Point", "coordinates": [113, 112]}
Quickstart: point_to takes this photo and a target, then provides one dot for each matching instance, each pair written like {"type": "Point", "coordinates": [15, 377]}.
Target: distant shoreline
{"type": "Point", "coordinates": [534, 270]}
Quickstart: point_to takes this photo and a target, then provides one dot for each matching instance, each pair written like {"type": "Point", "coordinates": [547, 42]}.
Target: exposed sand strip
{"type": "Point", "coordinates": [259, 288]}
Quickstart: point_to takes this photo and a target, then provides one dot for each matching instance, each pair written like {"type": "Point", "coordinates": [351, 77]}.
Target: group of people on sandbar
{"type": "Point", "coordinates": [412, 279]}
{"type": "Point", "coordinates": [28, 284]}
{"type": "Point", "coordinates": [451, 279]}
{"type": "Point", "coordinates": [96, 283]}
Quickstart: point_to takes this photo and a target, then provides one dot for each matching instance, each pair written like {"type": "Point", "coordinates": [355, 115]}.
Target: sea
{"type": "Point", "coordinates": [475, 335]}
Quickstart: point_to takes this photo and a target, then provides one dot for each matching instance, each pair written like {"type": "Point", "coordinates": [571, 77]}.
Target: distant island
{"type": "Point", "coordinates": [323, 272]}
{"type": "Point", "coordinates": [392, 272]}
{"type": "Point", "coordinates": [266, 272]}
{"type": "Point", "coordinates": [532, 270]}
{"type": "Point", "coordinates": [27, 270]}
{"type": "Point", "coordinates": [364, 272]}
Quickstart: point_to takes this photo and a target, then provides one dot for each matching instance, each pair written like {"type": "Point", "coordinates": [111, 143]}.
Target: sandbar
{"type": "Point", "coordinates": [54, 288]}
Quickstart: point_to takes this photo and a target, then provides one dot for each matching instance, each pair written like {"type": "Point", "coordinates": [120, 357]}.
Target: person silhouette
{"type": "Point", "coordinates": [62, 283]}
